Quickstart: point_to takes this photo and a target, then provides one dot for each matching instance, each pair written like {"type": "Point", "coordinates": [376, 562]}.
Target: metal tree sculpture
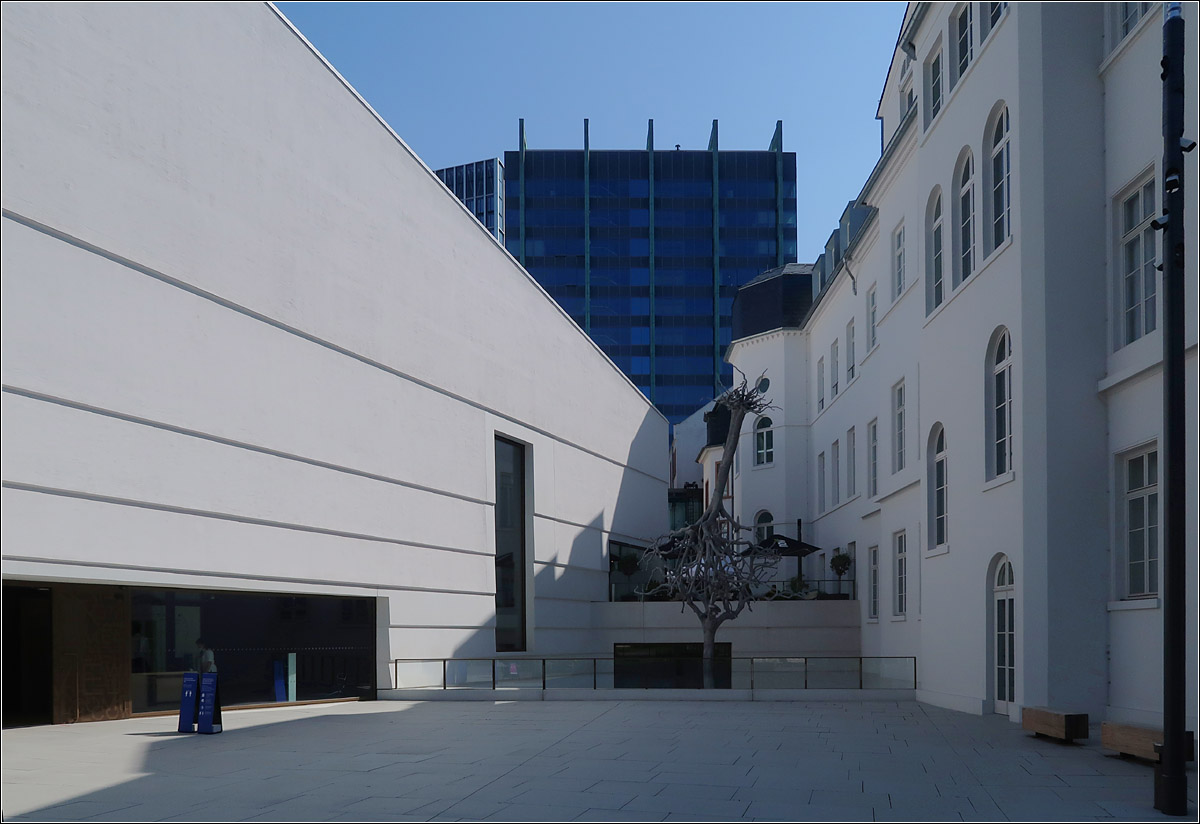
{"type": "Point", "coordinates": [708, 565]}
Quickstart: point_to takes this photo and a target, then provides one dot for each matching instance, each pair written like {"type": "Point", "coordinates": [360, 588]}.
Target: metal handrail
{"type": "Point", "coordinates": [542, 662]}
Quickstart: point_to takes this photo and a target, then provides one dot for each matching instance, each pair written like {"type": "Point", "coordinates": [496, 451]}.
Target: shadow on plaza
{"type": "Point", "coordinates": [314, 766]}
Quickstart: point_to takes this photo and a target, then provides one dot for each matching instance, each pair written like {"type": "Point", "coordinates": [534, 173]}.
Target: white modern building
{"type": "Point", "coordinates": [972, 406]}
{"type": "Point", "coordinates": [267, 381]}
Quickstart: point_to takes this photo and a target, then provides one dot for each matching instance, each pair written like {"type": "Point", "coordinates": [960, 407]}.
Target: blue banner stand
{"type": "Point", "coordinates": [209, 721]}
{"type": "Point", "coordinates": [280, 687]}
{"type": "Point", "coordinates": [187, 701]}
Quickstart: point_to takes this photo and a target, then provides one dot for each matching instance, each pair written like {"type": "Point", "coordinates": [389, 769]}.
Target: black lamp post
{"type": "Point", "coordinates": [1170, 784]}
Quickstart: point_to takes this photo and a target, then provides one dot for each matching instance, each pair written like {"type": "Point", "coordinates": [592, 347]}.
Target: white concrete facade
{"type": "Point", "coordinates": [1081, 92]}
{"type": "Point", "coordinates": [252, 343]}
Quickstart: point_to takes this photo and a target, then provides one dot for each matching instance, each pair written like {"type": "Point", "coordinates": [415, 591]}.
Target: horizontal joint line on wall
{"type": "Point", "coordinates": [225, 516]}
{"type": "Point", "coordinates": [292, 330]}
{"type": "Point", "coordinates": [264, 450]}
{"type": "Point", "coordinates": [239, 576]}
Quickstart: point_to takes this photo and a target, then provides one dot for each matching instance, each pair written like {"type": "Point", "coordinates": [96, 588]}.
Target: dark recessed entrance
{"type": "Point", "coordinates": [28, 650]}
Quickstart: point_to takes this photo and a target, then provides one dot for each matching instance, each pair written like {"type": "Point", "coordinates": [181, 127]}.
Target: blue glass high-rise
{"type": "Point", "coordinates": [480, 186]}
{"type": "Point", "coordinates": [646, 249]}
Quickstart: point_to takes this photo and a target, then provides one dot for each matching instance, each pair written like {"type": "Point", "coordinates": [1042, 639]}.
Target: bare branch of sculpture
{"type": "Point", "coordinates": [711, 565]}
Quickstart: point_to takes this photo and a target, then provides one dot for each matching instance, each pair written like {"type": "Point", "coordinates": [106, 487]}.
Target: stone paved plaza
{"type": "Point", "coordinates": [572, 761]}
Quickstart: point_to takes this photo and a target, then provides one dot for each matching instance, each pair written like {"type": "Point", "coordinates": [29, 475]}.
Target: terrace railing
{"type": "Point", "coordinates": [600, 673]}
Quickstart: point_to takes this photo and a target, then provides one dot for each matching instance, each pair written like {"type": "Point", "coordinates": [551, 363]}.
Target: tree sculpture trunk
{"type": "Point", "coordinates": [708, 565]}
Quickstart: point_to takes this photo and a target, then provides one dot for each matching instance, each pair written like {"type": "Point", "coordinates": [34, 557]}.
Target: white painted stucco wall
{"type": "Point", "coordinates": [251, 342]}
{"type": "Point", "coordinates": [1084, 120]}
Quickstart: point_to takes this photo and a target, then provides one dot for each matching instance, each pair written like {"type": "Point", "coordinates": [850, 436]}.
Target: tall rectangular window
{"type": "Point", "coordinates": [898, 262]}
{"type": "Point", "coordinates": [835, 456]}
{"type": "Point", "coordinates": [963, 26]}
{"type": "Point", "coordinates": [851, 484]}
{"type": "Point", "coordinates": [1141, 523]}
{"type": "Point", "coordinates": [872, 305]}
{"type": "Point", "coordinates": [510, 546]}
{"type": "Point", "coordinates": [821, 482]}
{"type": "Point", "coordinates": [933, 75]}
{"type": "Point", "coordinates": [833, 370]}
{"type": "Point", "coordinates": [850, 351]}
{"type": "Point", "coordinates": [873, 582]}
{"type": "Point", "coordinates": [900, 567]}
{"type": "Point", "coordinates": [873, 458]}
{"type": "Point", "coordinates": [1139, 281]}
{"type": "Point", "coordinates": [898, 427]}
{"type": "Point", "coordinates": [820, 384]}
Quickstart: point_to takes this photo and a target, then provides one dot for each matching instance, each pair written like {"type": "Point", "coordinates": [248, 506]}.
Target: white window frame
{"type": "Point", "coordinates": [873, 458]}
{"type": "Point", "coordinates": [764, 526]}
{"type": "Point", "coordinates": [1000, 178]}
{"type": "Point", "coordinates": [938, 490]}
{"type": "Point", "coordinates": [900, 572]}
{"type": "Point", "coordinates": [1141, 571]}
{"type": "Point", "coordinates": [935, 71]}
{"type": "Point", "coordinates": [898, 262]}
{"type": "Point", "coordinates": [935, 251]}
{"type": "Point", "coordinates": [990, 15]}
{"type": "Point", "coordinates": [1137, 285]}
{"type": "Point", "coordinates": [1125, 18]}
{"type": "Point", "coordinates": [820, 384]}
{"type": "Point", "coordinates": [851, 480]}
{"type": "Point", "coordinates": [964, 47]}
{"type": "Point", "coordinates": [872, 319]}
{"type": "Point", "coordinates": [965, 223]}
{"type": "Point", "coordinates": [908, 98]}
{"type": "Point", "coordinates": [821, 482]}
{"type": "Point", "coordinates": [835, 472]}
{"type": "Point", "coordinates": [1000, 405]}
{"type": "Point", "coordinates": [898, 456]}
{"type": "Point", "coordinates": [873, 581]}
{"type": "Point", "coordinates": [764, 442]}
{"type": "Point", "coordinates": [850, 351]}
{"type": "Point", "coordinates": [833, 370]}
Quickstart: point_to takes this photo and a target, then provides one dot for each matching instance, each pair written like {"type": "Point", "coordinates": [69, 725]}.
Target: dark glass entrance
{"type": "Point", "coordinates": [28, 656]}
{"type": "Point", "coordinates": [265, 648]}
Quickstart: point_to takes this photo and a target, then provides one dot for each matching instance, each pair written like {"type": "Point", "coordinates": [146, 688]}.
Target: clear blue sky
{"type": "Point", "coordinates": [453, 78]}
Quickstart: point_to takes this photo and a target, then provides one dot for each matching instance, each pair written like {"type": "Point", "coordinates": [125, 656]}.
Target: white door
{"type": "Point", "coordinates": [1004, 668]}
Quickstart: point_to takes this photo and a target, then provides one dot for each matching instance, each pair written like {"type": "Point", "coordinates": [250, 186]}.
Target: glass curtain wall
{"type": "Point", "coordinates": [646, 280]}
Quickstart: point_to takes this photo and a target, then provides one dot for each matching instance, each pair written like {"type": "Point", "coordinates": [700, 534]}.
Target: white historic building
{"type": "Point", "coordinates": [254, 349]}
{"type": "Point", "coordinates": [972, 404]}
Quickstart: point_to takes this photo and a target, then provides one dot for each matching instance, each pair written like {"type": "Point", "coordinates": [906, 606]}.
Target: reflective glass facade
{"type": "Point", "coordinates": [480, 186]}
{"type": "Point", "coordinates": [646, 250]}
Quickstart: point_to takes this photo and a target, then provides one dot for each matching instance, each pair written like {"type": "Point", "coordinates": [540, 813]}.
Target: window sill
{"type": "Point", "coordinates": [1152, 602]}
{"type": "Point", "coordinates": [992, 255]}
{"type": "Point", "coordinates": [863, 363]}
{"type": "Point", "coordinates": [937, 550]}
{"type": "Point", "coordinates": [874, 620]}
{"type": "Point", "coordinates": [899, 618]}
{"type": "Point", "coordinates": [1000, 480]}
{"type": "Point", "coordinates": [768, 465]}
{"type": "Point", "coordinates": [958, 289]}
{"type": "Point", "coordinates": [908, 287]}
{"type": "Point", "coordinates": [1125, 41]}
{"type": "Point", "coordinates": [837, 506]}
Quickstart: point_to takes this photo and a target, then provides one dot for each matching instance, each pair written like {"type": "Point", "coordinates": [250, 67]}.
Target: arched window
{"type": "Point", "coordinates": [1001, 199]}
{"type": "Point", "coordinates": [1003, 629]}
{"type": "Point", "coordinates": [938, 487]}
{"type": "Point", "coordinates": [965, 205]}
{"type": "Point", "coordinates": [764, 526]}
{"type": "Point", "coordinates": [764, 442]}
{"type": "Point", "coordinates": [1000, 404]}
{"type": "Point", "coordinates": [934, 251]}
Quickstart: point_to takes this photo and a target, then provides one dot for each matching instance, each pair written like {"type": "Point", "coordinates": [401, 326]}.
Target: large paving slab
{"type": "Point", "coordinates": [572, 761]}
